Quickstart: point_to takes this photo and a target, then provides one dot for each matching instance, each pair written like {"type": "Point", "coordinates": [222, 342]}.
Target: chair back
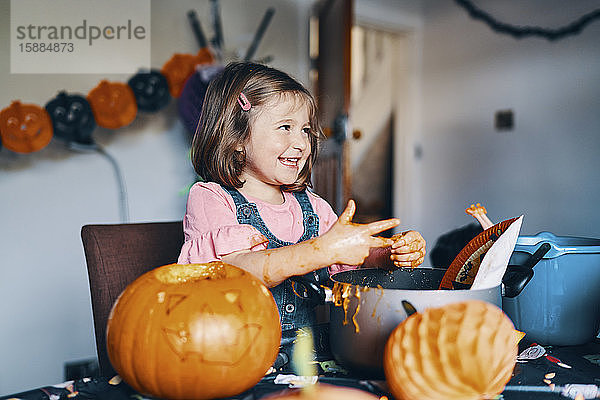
{"type": "Point", "coordinates": [116, 255]}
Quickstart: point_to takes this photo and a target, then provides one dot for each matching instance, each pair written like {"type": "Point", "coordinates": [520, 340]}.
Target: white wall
{"type": "Point", "coordinates": [547, 167]}
{"type": "Point", "coordinates": [459, 73]}
{"type": "Point", "coordinates": [45, 311]}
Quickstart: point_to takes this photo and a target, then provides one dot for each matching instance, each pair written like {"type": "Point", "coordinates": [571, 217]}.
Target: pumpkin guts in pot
{"type": "Point", "coordinates": [256, 143]}
{"type": "Point", "coordinates": [369, 306]}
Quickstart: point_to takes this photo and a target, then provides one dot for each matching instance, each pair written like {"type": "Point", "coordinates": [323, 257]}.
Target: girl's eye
{"type": "Point", "coordinates": [306, 130]}
{"type": "Point", "coordinates": [285, 127]}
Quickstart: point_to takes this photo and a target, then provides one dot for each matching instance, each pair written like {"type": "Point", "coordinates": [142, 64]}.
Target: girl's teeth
{"type": "Point", "coordinates": [289, 161]}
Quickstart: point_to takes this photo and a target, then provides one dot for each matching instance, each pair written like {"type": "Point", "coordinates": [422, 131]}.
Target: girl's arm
{"type": "Point", "coordinates": [345, 243]}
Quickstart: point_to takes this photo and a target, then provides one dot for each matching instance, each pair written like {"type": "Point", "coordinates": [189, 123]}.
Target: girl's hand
{"type": "Point", "coordinates": [349, 243]}
{"type": "Point", "coordinates": [408, 249]}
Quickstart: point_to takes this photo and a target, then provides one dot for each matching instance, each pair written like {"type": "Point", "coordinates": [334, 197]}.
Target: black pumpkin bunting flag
{"type": "Point", "coordinates": [151, 90]}
{"type": "Point", "coordinates": [72, 118]}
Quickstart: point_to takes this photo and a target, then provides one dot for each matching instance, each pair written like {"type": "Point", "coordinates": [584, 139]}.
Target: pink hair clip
{"type": "Point", "coordinates": [244, 103]}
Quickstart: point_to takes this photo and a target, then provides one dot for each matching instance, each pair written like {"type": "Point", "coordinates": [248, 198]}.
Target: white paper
{"type": "Point", "coordinates": [496, 259]}
{"type": "Point", "coordinates": [295, 381]}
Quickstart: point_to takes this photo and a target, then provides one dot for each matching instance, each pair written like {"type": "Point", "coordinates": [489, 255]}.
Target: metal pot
{"type": "Point", "coordinates": [561, 304]}
{"type": "Point", "coordinates": [369, 307]}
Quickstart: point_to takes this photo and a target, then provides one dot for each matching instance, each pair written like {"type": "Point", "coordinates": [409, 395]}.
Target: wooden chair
{"type": "Point", "coordinates": [116, 255]}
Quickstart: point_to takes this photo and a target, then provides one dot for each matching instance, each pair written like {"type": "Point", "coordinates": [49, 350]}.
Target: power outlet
{"type": "Point", "coordinates": [504, 120]}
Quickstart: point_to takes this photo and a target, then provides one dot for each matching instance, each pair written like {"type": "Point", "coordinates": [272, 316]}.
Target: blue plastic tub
{"type": "Point", "coordinates": [561, 303]}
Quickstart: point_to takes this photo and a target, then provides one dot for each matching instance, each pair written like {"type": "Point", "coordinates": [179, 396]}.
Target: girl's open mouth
{"type": "Point", "coordinates": [289, 161]}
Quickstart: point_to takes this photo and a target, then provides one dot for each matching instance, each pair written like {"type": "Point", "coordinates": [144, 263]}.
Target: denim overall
{"type": "Point", "coordinates": [296, 309]}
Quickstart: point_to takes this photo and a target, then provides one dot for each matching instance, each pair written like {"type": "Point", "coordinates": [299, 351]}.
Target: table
{"type": "Point", "coordinates": [528, 378]}
{"type": "Point", "coordinates": [527, 381]}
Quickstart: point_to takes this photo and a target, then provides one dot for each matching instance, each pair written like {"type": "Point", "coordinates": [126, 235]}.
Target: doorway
{"type": "Point", "coordinates": [367, 84]}
{"type": "Point", "coordinates": [378, 112]}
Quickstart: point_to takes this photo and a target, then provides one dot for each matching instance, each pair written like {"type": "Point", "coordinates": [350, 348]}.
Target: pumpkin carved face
{"type": "Point", "coordinates": [180, 67]}
{"type": "Point", "coordinates": [72, 118]}
{"type": "Point", "coordinates": [211, 330]}
{"type": "Point", "coordinates": [25, 128]}
{"type": "Point", "coordinates": [113, 104]}
{"type": "Point", "coordinates": [151, 90]}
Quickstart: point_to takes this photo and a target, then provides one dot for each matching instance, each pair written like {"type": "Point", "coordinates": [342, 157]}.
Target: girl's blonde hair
{"type": "Point", "coordinates": [225, 127]}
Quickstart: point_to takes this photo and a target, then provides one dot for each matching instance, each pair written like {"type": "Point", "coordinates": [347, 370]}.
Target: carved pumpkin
{"type": "Point", "coordinates": [463, 350]}
{"type": "Point", "coordinates": [151, 90]}
{"type": "Point", "coordinates": [180, 67]}
{"type": "Point", "coordinates": [72, 118]}
{"type": "Point", "coordinates": [324, 392]}
{"type": "Point", "coordinates": [25, 128]}
{"type": "Point", "coordinates": [113, 104]}
{"type": "Point", "coordinates": [196, 331]}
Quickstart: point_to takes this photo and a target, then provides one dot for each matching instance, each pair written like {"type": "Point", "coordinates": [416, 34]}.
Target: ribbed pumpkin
{"type": "Point", "coordinates": [325, 392]}
{"type": "Point", "coordinates": [462, 351]}
{"type": "Point", "coordinates": [197, 331]}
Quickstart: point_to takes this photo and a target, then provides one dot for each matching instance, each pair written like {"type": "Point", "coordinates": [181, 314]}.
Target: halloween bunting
{"type": "Point", "coordinates": [180, 67]}
{"type": "Point", "coordinates": [72, 118]}
{"type": "Point", "coordinates": [151, 90]}
{"type": "Point", "coordinates": [113, 104]}
{"type": "Point", "coordinates": [25, 128]}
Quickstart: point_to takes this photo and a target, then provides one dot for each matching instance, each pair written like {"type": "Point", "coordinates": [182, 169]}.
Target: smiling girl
{"type": "Point", "coordinates": [255, 145]}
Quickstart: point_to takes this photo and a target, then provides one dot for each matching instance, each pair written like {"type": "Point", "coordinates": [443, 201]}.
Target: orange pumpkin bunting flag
{"type": "Point", "coordinates": [113, 104]}
{"type": "Point", "coordinates": [180, 67]}
{"type": "Point", "coordinates": [25, 128]}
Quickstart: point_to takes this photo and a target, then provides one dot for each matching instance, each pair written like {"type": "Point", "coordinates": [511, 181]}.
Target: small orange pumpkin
{"type": "Point", "coordinates": [180, 67]}
{"type": "Point", "coordinates": [25, 128]}
{"type": "Point", "coordinates": [324, 392]}
{"type": "Point", "coordinates": [198, 331]}
{"type": "Point", "coordinates": [464, 350]}
{"type": "Point", "coordinates": [113, 104]}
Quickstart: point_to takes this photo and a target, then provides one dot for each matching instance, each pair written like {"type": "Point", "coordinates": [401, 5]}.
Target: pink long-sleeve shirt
{"type": "Point", "coordinates": [211, 228]}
